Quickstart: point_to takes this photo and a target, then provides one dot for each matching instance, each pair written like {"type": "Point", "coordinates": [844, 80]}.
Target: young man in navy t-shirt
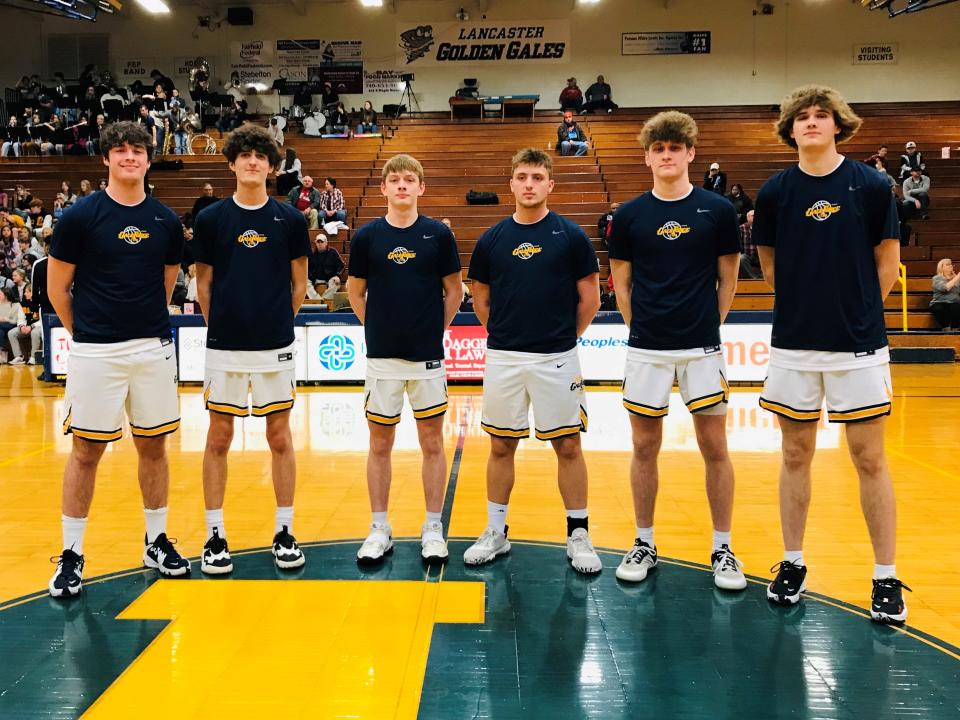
{"type": "Point", "coordinates": [243, 242]}
{"type": "Point", "coordinates": [120, 251]}
{"type": "Point", "coordinates": [405, 287]}
{"type": "Point", "coordinates": [536, 288]}
{"type": "Point", "coordinates": [674, 254]}
{"type": "Point", "coordinates": [828, 239]}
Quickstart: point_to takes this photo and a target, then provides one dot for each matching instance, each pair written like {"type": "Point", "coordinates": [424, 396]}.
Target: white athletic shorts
{"type": "Point", "coordinates": [862, 390]}
{"type": "Point", "coordinates": [552, 383]}
{"type": "Point", "coordinates": [104, 380]}
{"type": "Point", "coordinates": [236, 379]}
{"type": "Point", "coordinates": [701, 374]}
{"type": "Point", "coordinates": [425, 384]}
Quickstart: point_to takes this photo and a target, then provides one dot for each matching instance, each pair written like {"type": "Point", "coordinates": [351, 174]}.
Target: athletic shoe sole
{"type": "Point", "coordinates": [216, 569]}
{"type": "Point", "coordinates": [179, 572]}
{"type": "Point", "coordinates": [503, 550]}
{"type": "Point", "coordinates": [289, 564]}
{"type": "Point", "coordinates": [375, 560]}
{"type": "Point", "coordinates": [885, 619]}
{"type": "Point", "coordinates": [65, 593]}
{"type": "Point", "coordinates": [785, 600]}
{"type": "Point", "coordinates": [633, 575]}
{"type": "Point", "coordinates": [584, 569]}
{"type": "Point", "coordinates": [730, 583]}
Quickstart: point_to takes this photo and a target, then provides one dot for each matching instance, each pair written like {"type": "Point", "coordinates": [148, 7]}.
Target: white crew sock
{"type": "Point", "coordinates": [380, 518]}
{"type": "Point", "coordinates": [794, 556]}
{"type": "Point", "coordinates": [73, 530]}
{"type": "Point", "coordinates": [156, 523]}
{"type": "Point", "coordinates": [284, 517]}
{"type": "Point", "coordinates": [214, 519]}
{"type": "Point", "coordinates": [884, 571]}
{"type": "Point", "coordinates": [434, 517]}
{"type": "Point", "coordinates": [646, 535]}
{"type": "Point", "coordinates": [497, 516]}
{"type": "Point", "coordinates": [719, 539]}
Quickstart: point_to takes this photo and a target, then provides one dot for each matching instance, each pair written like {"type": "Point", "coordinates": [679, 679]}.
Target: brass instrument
{"type": "Point", "coordinates": [167, 141]}
{"type": "Point", "coordinates": [209, 146]}
{"type": "Point", "coordinates": [200, 73]}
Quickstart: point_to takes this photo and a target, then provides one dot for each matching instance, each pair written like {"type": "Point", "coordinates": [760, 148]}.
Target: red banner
{"type": "Point", "coordinates": [465, 350]}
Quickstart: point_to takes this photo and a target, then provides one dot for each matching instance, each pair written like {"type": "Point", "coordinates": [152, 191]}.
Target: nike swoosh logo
{"type": "Point", "coordinates": [561, 365]}
{"type": "Point", "coordinates": [853, 188]}
{"type": "Point", "coordinates": [558, 232]}
{"type": "Point", "coordinates": [699, 210]}
{"type": "Point", "coordinates": [427, 237]}
{"type": "Point", "coordinates": [157, 219]}
{"type": "Point", "coordinates": [276, 219]}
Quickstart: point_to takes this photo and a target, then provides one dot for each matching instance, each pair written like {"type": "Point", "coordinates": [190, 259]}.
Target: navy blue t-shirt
{"type": "Point", "coordinates": [120, 253]}
{"type": "Point", "coordinates": [825, 230]}
{"type": "Point", "coordinates": [404, 269]}
{"type": "Point", "coordinates": [673, 246]}
{"type": "Point", "coordinates": [250, 252]}
{"type": "Point", "coordinates": [532, 271]}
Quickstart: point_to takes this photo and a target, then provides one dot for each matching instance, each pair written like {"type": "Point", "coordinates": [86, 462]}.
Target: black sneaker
{"type": "Point", "coordinates": [788, 584]}
{"type": "Point", "coordinates": [286, 553]}
{"type": "Point", "coordinates": [67, 581]}
{"type": "Point", "coordinates": [215, 559]}
{"type": "Point", "coordinates": [887, 605]}
{"type": "Point", "coordinates": [163, 557]}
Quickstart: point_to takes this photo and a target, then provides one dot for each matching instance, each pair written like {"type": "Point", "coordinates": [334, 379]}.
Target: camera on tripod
{"type": "Point", "coordinates": [407, 77]}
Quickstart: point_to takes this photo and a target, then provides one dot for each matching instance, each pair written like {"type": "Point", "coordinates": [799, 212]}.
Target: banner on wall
{"type": "Point", "coordinates": [309, 59]}
{"type": "Point", "coordinates": [691, 42]}
{"type": "Point", "coordinates": [484, 43]}
{"type": "Point", "coordinates": [343, 78]}
{"type": "Point", "coordinates": [129, 70]}
{"type": "Point", "coordinates": [253, 61]}
{"type": "Point", "coordinates": [876, 53]}
{"type": "Point", "coordinates": [183, 65]}
{"type": "Point", "coordinates": [382, 81]}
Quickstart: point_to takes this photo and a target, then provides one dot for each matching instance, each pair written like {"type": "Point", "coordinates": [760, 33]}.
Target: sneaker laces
{"type": "Point", "coordinates": [284, 539]}
{"type": "Point", "coordinates": [216, 544]}
{"type": "Point", "coordinates": [68, 559]}
{"type": "Point", "coordinates": [165, 544]}
{"type": "Point", "coordinates": [581, 543]}
{"type": "Point", "coordinates": [890, 584]}
{"type": "Point", "coordinates": [638, 553]}
{"type": "Point", "coordinates": [727, 560]}
{"type": "Point", "coordinates": [785, 565]}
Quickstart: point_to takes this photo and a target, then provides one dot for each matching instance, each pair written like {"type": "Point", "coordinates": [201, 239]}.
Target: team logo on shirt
{"type": "Point", "coordinates": [251, 238]}
{"type": "Point", "coordinates": [525, 251]}
{"type": "Point", "coordinates": [821, 210]}
{"type": "Point", "coordinates": [672, 230]}
{"type": "Point", "coordinates": [132, 235]}
{"type": "Point", "coordinates": [400, 255]}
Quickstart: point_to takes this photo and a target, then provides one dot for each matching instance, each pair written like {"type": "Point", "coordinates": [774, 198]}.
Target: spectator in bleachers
{"type": "Point", "coordinates": [599, 98]}
{"type": "Point", "coordinates": [306, 198]}
{"type": "Point", "coordinates": [325, 265]}
{"type": "Point", "coordinates": [9, 250]}
{"type": "Point", "coordinates": [288, 174]}
{"type": "Point", "coordinates": [102, 185]}
{"type": "Point", "coordinates": [604, 226]}
{"type": "Point", "coordinates": [19, 279]}
{"type": "Point", "coordinates": [27, 337]}
{"type": "Point", "coordinates": [368, 119]}
{"type": "Point", "coordinates": [22, 198]}
{"type": "Point", "coordinates": [206, 198]}
{"type": "Point", "coordinates": [741, 202]}
{"type": "Point", "coordinates": [749, 257]}
{"type": "Point", "coordinates": [27, 245]}
{"type": "Point", "coordinates": [90, 104]}
{"type": "Point", "coordinates": [275, 132]}
{"type": "Point", "coordinates": [570, 138]}
{"type": "Point", "coordinates": [328, 97]}
{"type": "Point", "coordinates": [945, 305]}
{"type": "Point", "coordinates": [10, 316]}
{"type": "Point", "coordinates": [11, 142]}
{"type": "Point", "coordinates": [911, 159]}
{"type": "Point", "coordinates": [93, 134]}
{"type": "Point", "coordinates": [338, 122]}
{"type": "Point", "coordinates": [187, 257]}
{"type": "Point", "coordinates": [916, 194]}
{"type": "Point", "coordinates": [715, 180]}
{"type": "Point", "coordinates": [38, 218]}
{"type": "Point", "coordinates": [331, 206]}
{"type": "Point", "coordinates": [878, 158]}
{"type": "Point", "coordinates": [66, 195]}
{"type": "Point", "coordinates": [85, 189]}
{"type": "Point", "coordinates": [150, 124]}
{"type": "Point", "coordinates": [446, 221]}
{"type": "Point", "coordinates": [571, 97]}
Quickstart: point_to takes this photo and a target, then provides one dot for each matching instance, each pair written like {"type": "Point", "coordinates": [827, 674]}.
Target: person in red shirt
{"type": "Point", "coordinates": [306, 198]}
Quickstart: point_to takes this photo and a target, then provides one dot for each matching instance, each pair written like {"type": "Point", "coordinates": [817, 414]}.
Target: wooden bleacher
{"type": "Point", "coordinates": [474, 154]}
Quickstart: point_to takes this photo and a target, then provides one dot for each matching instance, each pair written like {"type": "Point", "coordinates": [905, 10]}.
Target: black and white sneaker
{"type": "Point", "coordinates": [67, 581]}
{"type": "Point", "coordinates": [788, 584]}
{"type": "Point", "coordinates": [216, 556]}
{"type": "Point", "coordinates": [163, 557]}
{"type": "Point", "coordinates": [637, 563]}
{"type": "Point", "coordinates": [286, 553]}
{"type": "Point", "coordinates": [887, 605]}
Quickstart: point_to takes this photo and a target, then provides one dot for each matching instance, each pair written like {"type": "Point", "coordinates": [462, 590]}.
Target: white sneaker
{"type": "Point", "coordinates": [490, 544]}
{"type": "Point", "coordinates": [32, 361]}
{"type": "Point", "coordinates": [581, 553]}
{"type": "Point", "coordinates": [638, 562]}
{"type": "Point", "coordinates": [18, 360]}
{"type": "Point", "coordinates": [433, 548]}
{"type": "Point", "coordinates": [378, 543]}
{"type": "Point", "coordinates": [727, 570]}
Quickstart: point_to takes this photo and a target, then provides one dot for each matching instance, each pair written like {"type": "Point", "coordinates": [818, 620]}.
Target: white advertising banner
{"type": "Point", "coordinates": [876, 53]}
{"type": "Point", "coordinates": [382, 81]}
{"type": "Point", "coordinates": [484, 43]}
{"type": "Point", "coordinates": [253, 60]}
{"type": "Point", "coordinates": [336, 353]}
{"type": "Point", "coordinates": [193, 349]}
{"type": "Point", "coordinates": [60, 344]}
{"type": "Point", "coordinates": [129, 70]}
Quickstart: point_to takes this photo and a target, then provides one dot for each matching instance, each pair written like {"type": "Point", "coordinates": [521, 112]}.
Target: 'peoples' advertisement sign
{"type": "Point", "coordinates": [484, 43]}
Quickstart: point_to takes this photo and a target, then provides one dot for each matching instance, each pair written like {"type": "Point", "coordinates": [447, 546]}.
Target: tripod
{"type": "Point", "coordinates": [410, 98]}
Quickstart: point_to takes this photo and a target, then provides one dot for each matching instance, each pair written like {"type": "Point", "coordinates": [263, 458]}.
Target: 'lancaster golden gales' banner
{"type": "Point", "coordinates": [483, 43]}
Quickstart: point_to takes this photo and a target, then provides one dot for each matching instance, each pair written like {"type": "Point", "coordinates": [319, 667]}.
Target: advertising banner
{"type": "Point", "coordinates": [484, 43]}
{"type": "Point", "coordinates": [336, 353]}
{"type": "Point", "coordinates": [465, 351]}
{"type": "Point", "coordinates": [254, 61]}
{"type": "Point", "coordinates": [192, 348]}
{"type": "Point", "coordinates": [382, 81]}
{"type": "Point", "coordinates": [692, 42]}
{"type": "Point", "coordinates": [313, 59]}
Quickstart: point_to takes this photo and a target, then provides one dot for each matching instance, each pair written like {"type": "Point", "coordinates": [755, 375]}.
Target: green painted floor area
{"type": "Point", "coordinates": [553, 645]}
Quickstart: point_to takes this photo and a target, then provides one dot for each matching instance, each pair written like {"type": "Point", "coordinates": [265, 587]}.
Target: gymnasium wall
{"type": "Point", "coordinates": [754, 59]}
